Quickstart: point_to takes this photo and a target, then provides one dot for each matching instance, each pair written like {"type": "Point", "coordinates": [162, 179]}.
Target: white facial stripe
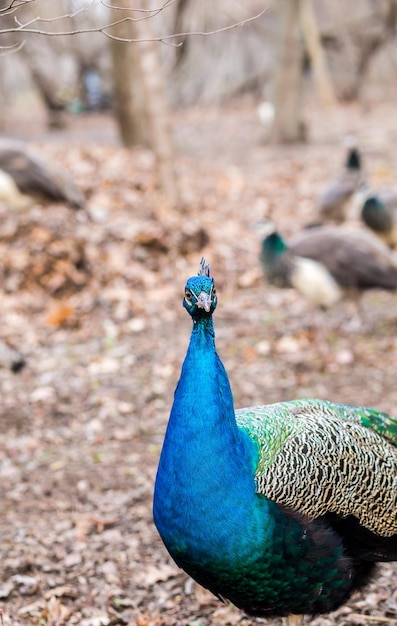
{"type": "Point", "coordinates": [204, 300]}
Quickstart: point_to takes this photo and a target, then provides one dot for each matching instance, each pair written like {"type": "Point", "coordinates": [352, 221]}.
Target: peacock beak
{"type": "Point", "coordinates": [204, 301]}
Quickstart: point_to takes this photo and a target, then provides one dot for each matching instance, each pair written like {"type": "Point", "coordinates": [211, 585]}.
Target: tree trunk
{"type": "Point", "coordinates": [157, 111]}
{"type": "Point", "coordinates": [288, 126]}
{"type": "Point", "coordinates": [142, 109]}
{"type": "Point", "coordinates": [129, 100]}
{"type": "Point", "coordinates": [316, 53]}
{"type": "Point", "coordinates": [46, 89]}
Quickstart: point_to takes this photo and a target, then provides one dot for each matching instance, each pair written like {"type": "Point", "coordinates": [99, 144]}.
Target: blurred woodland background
{"type": "Point", "coordinates": [275, 53]}
{"type": "Point", "coordinates": [87, 72]}
{"type": "Point", "coordinates": [135, 138]}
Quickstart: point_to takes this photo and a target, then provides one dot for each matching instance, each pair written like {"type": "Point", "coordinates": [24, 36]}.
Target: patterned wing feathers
{"type": "Point", "coordinates": [317, 458]}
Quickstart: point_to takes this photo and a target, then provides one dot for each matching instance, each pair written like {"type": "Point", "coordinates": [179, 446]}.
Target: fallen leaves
{"type": "Point", "coordinates": [95, 304]}
{"type": "Point", "coordinates": [38, 256]}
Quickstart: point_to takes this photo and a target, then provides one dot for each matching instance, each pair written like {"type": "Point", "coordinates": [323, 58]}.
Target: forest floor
{"type": "Point", "coordinates": [93, 299]}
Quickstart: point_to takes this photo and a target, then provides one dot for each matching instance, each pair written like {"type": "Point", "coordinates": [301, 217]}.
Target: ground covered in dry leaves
{"type": "Point", "coordinates": [93, 299]}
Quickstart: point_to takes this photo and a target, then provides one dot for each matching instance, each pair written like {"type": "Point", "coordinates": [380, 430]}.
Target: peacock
{"type": "Point", "coordinates": [24, 178]}
{"type": "Point", "coordinates": [322, 262]}
{"type": "Point", "coordinates": [379, 213]}
{"type": "Point", "coordinates": [335, 200]}
{"type": "Point", "coordinates": [282, 509]}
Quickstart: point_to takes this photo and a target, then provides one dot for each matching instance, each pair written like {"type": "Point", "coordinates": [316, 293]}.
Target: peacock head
{"type": "Point", "coordinates": [273, 244]}
{"type": "Point", "coordinates": [200, 294]}
{"type": "Point", "coordinates": [353, 161]}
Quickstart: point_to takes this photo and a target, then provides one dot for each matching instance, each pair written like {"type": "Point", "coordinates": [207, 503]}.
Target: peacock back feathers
{"type": "Point", "coordinates": [323, 443]}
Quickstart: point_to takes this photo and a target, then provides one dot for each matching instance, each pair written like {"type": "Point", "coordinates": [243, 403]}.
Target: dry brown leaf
{"type": "Point", "coordinates": [150, 574]}
{"type": "Point", "coordinates": [62, 590]}
{"type": "Point", "coordinates": [60, 315]}
{"type": "Point", "coordinates": [86, 525]}
{"type": "Point", "coordinates": [56, 613]}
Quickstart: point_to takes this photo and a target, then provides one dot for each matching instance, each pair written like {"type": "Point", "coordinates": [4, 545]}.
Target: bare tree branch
{"type": "Point", "coordinates": [165, 38]}
{"type": "Point", "coordinates": [26, 27]}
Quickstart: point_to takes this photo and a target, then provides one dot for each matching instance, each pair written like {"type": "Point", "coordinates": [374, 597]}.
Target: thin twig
{"type": "Point", "coordinates": [155, 11]}
{"type": "Point", "coordinates": [52, 19]}
{"type": "Point", "coordinates": [373, 618]}
{"type": "Point", "coordinates": [14, 6]}
{"type": "Point", "coordinates": [16, 47]}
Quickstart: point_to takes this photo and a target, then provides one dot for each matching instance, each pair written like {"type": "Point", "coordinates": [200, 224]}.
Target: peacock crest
{"type": "Point", "coordinates": [204, 268]}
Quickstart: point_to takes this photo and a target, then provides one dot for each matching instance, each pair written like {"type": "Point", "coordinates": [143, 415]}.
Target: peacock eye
{"type": "Point", "coordinates": [214, 291]}
{"type": "Point", "coordinates": [188, 294]}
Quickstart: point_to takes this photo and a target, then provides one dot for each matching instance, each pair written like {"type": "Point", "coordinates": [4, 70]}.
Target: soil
{"type": "Point", "coordinates": [93, 300]}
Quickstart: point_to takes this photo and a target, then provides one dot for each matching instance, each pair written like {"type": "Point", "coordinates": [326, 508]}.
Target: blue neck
{"type": "Point", "coordinates": [204, 451]}
{"type": "Point", "coordinates": [204, 387]}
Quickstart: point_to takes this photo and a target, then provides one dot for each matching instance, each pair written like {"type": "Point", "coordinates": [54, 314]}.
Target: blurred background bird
{"type": "Point", "coordinates": [10, 358]}
{"type": "Point", "coordinates": [282, 509]}
{"type": "Point", "coordinates": [322, 262]}
{"type": "Point", "coordinates": [379, 213]}
{"type": "Point", "coordinates": [335, 200]}
{"type": "Point", "coordinates": [25, 179]}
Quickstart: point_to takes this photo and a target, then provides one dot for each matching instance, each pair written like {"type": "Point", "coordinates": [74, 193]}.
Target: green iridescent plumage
{"type": "Point", "coordinates": [327, 477]}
